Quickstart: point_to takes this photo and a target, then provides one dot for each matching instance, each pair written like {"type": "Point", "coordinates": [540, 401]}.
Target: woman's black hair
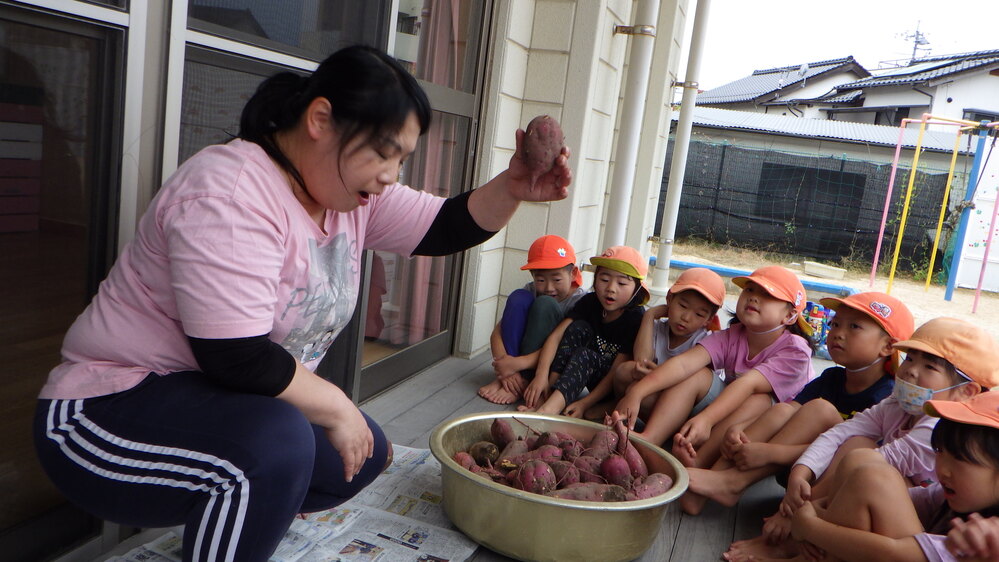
{"type": "Point", "coordinates": [977, 444]}
{"type": "Point", "coordinates": [370, 92]}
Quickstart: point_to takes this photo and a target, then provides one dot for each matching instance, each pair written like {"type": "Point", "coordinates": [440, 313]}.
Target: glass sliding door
{"type": "Point", "coordinates": [59, 113]}
{"type": "Point", "coordinates": [411, 301]}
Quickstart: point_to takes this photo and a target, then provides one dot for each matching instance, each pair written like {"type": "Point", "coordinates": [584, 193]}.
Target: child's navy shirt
{"type": "Point", "coordinates": [831, 385]}
{"type": "Point", "coordinates": [612, 337]}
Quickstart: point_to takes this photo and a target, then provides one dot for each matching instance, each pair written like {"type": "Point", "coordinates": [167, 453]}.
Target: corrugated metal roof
{"type": "Point", "coordinates": [818, 128]}
{"type": "Point", "coordinates": [920, 72]}
{"type": "Point", "coordinates": [771, 80]}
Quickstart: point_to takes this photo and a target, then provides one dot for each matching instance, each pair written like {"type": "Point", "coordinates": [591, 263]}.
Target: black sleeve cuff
{"type": "Point", "coordinates": [453, 229]}
{"type": "Point", "coordinates": [255, 365]}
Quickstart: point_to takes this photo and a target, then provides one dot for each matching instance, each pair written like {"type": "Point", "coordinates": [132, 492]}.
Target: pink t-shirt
{"type": "Point", "coordinates": [225, 250]}
{"type": "Point", "coordinates": [786, 363]}
{"type": "Point", "coordinates": [928, 502]}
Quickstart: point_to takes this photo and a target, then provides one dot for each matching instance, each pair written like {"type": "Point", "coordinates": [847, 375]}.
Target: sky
{"type": "Point", "coordinates": [746, 35]}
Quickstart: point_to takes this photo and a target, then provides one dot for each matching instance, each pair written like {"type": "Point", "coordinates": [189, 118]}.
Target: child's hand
{"type": "Point", "coordinates": [799, 492]}
{"type": "Point", "coordinates": [684, 450]}
{"type": "Point", "coordinates": [696, 430]}
{"type": "Point", "coordinates": [751, 455]}
{"type": "Point", "coordinates": [799, 528]}
{"type": "Point", "coordinates": [576, 409]}
{"type": "Point", "coordinates": [627, 410]}
{"type": "Point", "coordinates": [642, 368]}
{"type": "Point", "coordinates": [776, 528]}
{"type": "Point", "coordinates": [977, 537]}
{"type": "Point", "coordinates": [505, 366]}
{"type": "Point", "coordinates": [659, 311]}
{"type": "Point", "coordinates": [733, 442]}
{"type": "Point", "coordinates": [534, 394]}
{"type": "Point", "coordinates": [514, 383]}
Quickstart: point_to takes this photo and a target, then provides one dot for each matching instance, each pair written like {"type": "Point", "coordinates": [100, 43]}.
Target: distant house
{"type": "Point", "coordinates": [959, 86]}
{"type": "Point", "coordinates": [778, 90]}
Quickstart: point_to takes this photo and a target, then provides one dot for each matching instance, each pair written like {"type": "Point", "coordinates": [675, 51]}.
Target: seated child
{"type": "Point", "coordinates": [762, 356]}
{"type": "Point", "coordinates": [860, 340]}
{"type": "Point", "coordinates": [875, 515]}
{"type": "Point", "coordinates": [945, 359]}
{"type": "Point", "coordinates": [597, 335]}
{"type": "Point", "coordinates": [668, 330]}
{"type": "Point", "coordinates": [530, 315]}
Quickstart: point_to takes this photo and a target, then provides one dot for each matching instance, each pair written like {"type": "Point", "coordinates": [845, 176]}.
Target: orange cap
{"type": "Point", "coordinates": [552, 252]}
{"type": "Point", "coordinates": [626, 260]}
{"type": "Point", "coordinates": [889, 312]}
{"type": "Point", "coordinates": [980, 409]}
{"type": "Point", "coordinates": [701, 279]}
{"type": "Point", "coordinates": [705, 282]}
{"type": "Point", "coordinates": [781, 284]}
{"type": "Point", "coordinates": [967, 347]}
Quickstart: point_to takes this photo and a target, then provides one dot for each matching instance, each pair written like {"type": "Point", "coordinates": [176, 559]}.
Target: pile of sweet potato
{"type": "Point", "coordinates": [607, 468]}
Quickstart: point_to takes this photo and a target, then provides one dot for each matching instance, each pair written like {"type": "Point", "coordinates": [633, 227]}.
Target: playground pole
{"type": "Point", "coordinates": [905, 204]}
{"type": "Point", "coordinates": [891, 185]}
{"type": "Point", "coordinates": [988, 246]}
{"type": "Point", "coordinates": [943, 210]}
{"type": "Point", "coordinates": [962, 226]}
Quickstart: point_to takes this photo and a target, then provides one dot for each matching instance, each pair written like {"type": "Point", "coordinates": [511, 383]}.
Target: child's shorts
{"type": "Point", "coordinates": [717, 386]}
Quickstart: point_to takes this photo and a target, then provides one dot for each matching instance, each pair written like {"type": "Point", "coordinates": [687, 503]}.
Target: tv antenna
{"type": "Point", "coordinates": [919, 42]}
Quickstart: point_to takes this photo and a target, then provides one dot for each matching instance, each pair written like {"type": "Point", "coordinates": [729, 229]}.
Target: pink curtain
{"type": "Point", "coordinates": [423, 298]}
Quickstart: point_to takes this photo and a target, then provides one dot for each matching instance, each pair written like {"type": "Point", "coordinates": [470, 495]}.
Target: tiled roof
{"type": "Point", "coordinates": [818, 128]}
{"type": "Point", "coordinates": [834, 97]}
{"type": "Point", "coordinates": [771, 80]}
{"type": "Point", "coordinates": [926, 69]}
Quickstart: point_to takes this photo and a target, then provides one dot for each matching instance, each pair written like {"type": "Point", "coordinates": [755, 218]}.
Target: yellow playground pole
{"type": "Point", "coordinates": [943, 209]}
{"type": "Point", "coordinates": [905, 204]}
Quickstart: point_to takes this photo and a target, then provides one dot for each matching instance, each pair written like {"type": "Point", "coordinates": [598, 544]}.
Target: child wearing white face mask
{"type": "Point", "coordinates": [945, 359]}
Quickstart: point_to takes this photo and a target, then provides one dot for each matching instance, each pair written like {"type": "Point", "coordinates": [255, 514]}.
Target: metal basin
{"type": "Point", "coordinates": [529, 526]}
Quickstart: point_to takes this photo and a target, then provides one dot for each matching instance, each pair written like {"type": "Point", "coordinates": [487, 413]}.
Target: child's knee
{"type": "Point", "coordinates": [822, 409]}
{"type": "Point", "coordinates": [520, 299]}
{"type": "Point", "coordinates": [862, 458]}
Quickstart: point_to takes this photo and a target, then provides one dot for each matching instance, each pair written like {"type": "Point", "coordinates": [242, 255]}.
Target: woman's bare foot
{"type": "Point", "coordinates": [757, 548]}
{"type": "Point", "coordinates": [495, 393]}
{"type": "Point", "coordinates": [717, 485]}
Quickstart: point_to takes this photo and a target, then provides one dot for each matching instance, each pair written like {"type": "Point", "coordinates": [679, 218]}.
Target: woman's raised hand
{"type": "Point", "coordinates": [551, 186]}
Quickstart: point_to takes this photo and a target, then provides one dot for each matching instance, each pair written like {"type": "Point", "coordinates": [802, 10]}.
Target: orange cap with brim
{"type": "Point", "coordinates": [780, 283]}
{"type": "Point", "coordinates": [552, 252]}
{"type": "Point", "coordinates": [626, 260]}
{"type": "Point", "coordinates": [706, 283]}
{"type": "Point", "coordinates": [967, 347]}
{"type": "Point", "coordinates": [890, 313]}
{"type": "Point", "coordinates": [981, 409]}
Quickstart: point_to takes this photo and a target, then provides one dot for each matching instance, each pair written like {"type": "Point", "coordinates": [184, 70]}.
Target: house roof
{"type": "Point", "coordinates": [844, 131]}
{"type": "Point", "coordinates": [926, 69]}
{"type": "Point", "coordinates": [767, 82]}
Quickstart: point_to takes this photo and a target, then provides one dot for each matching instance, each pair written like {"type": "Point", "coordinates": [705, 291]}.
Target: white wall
{"type": "Point", "coordinates": [974, 90]}
{"type": "Point", "coordinates": [562, 58]}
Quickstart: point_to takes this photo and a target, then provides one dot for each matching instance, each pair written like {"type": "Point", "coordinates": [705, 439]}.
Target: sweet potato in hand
{"type": "Point", "coordinates": [543, 141]}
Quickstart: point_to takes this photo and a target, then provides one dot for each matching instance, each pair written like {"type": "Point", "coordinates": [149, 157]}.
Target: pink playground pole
{"type": "Point", "coordinates": [891, 184]}
{"type": "Point", "coordinates": [988, 246]}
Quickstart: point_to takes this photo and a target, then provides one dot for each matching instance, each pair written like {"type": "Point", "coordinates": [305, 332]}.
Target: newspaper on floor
{"type": "Point", "coordinates": [398, 517]}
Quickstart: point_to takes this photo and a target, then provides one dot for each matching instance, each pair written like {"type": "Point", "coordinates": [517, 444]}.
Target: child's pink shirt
{"type": "Point", "coordinates": [928, 502]}
{"type": "Point", "coordinates": [225, 250]}
{"type": "Point", "coordinates": [786, 363]}
{"type": "Point", "coordinates": [904, 446]}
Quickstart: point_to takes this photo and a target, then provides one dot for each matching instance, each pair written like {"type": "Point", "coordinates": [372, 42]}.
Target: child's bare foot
{"type": "Point", "coordinates": [757, 548]}
{"type": "Point", "coordinates": [684, 451]}
{"type": "Point", "coordinates": [515, 383]}
{"type": "Point", "coordinates": [717, 485]}
{"type": "Point", "coordinates": [553, 405]}
{"type": "Point", "coordinates": [692, 503]}
{"type": "Point", "coordinates": [495, 393]}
